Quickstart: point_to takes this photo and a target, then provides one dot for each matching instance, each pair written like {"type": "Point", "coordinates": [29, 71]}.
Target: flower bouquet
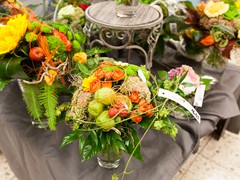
{"type": "Point", "coordinates": [213, 30]}
{"type": "Point", "coordinates": [39, 54]}
{"type": "Point", "coordinates": [110, 99]}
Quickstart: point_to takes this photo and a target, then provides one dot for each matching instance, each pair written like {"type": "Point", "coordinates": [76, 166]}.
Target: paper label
{"type": "Point", "coordinates": [178, 99]}
{"type": "Point", "coordinates": [141, 75]}
{"type": "Point", "coordinates": [199, 95]}
{"type": "Point", "coordinates": [173, 28]}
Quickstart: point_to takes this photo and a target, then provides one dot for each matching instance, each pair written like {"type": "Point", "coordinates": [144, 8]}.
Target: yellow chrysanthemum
{"type": "Point", "coordinates": [12, 33]}
{"type": "Point", "coordinates": [215, 9]}
{"type": "Point", "coordinates": [87, 81]}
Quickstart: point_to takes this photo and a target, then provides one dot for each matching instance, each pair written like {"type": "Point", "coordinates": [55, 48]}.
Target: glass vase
{"type": "Point", "coordinates": [108, 159]}
{"type": "Point", "coordinates": [126, 8]}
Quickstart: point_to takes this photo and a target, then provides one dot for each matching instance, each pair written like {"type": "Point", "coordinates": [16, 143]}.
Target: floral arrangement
{"type": "Point", "coordinates": [110, 98]}
{"type": "Point", "coordinates": [213, 29]}
{"type": "Point", "coordinates": [40, 54]}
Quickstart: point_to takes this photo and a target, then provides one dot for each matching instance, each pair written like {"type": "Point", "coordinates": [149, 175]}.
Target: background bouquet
{"type": "Point", "coordinates": [38, 53]}
{"type": "Point", "coordinates": [213, 30]}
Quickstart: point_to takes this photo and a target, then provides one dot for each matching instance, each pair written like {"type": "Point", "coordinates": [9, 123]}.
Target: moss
{"type": "Point", "coordinates": [30, 37]}
{"type": "Point", "coordinates": [55, 42]}
{"type": "Point", "coordinates": [46, 29]}
{"type": "Point", "coordinates": [34, 25]}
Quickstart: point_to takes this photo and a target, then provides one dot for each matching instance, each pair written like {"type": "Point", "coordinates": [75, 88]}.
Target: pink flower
{"type": "Point", "coordinates": [191, 78]}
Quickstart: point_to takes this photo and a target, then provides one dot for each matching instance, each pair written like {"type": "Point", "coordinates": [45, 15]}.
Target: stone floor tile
{"type": "Point", "coordinates": [205, 169]}
{"type": "Point", "coordinates": [225, 152]}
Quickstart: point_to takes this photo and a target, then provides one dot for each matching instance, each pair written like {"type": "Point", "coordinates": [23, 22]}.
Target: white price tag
{"type": "Point", "coordinates": [199, 95]}
{"type": "Point", "coordinates": [173, 28]}
{"type": "Point", "coordinates": [178, 99]}
{"type": "Point", "coordinates": [141, 75]}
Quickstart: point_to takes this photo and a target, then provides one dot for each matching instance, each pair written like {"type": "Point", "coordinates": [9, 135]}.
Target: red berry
{"type": "Point", "coordinates": [112, 112]}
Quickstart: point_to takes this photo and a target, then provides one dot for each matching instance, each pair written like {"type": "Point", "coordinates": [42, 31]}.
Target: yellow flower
{"type": "Point", "coordinates": [238, 4]}
{"type": "Point", "coordinates": [12, 33]}
{"type": "Point", "coordinates": [87, 81]}
{"type": "Point", "coordinates": [80, 57]}
{"type": "Point", "coordinates": [215, 9]}
{"type": "Point", "coordinates": [50, 77]}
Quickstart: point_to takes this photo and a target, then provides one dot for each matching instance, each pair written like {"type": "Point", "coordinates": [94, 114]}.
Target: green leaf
{"type": "Point", "coordinates": [34, 6]}
{"type": "Point", "coordinates": [183, 77]}
{"type": "Point", "coordinates": [162, 75]}
{"type": "Point", "coordinates": [89, 150]}
{"type": "Point", "coordinates": [187, 84]}
{"type": "Point", "coordinates": [94, 136]}
{"type": "Point", "coordinates": [189, 5]}
{"type": "Point", "coordinates": [30, 96]}
{"type": "Point", "coordinates": [120, 145]}
{"type": "Point", "coordinates": [3, 84]}
{"type": "Point", "coordinates": [130, 142]}
{"type": "Point", "coordinates": [97, 51]}
{"type": "Point", "coordinates": [48, 99]}
{"type": "Point", "coordinates": [83, 68]}
{"type": "Point", "coordinates": [69, 138]}
{"type": "Point", "coordinates": [226, 29]}
{"type": "Point", "coordinates": [114, 177]}
{"type": "Point", "coordinates": [11, 68]}
{"type": "Point", "coordinates": [146, 123]}
{"type": "Point", "coordinates": [81, 143]}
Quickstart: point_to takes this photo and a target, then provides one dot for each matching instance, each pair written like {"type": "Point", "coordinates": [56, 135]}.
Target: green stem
{"type": "Point", "coordinates": [138, 144]}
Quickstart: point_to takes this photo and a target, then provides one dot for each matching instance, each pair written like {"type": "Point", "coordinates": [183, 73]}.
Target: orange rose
{"type": "Point", "coordinates": [100, 73]}
{"type": "Point", "coordinates": [94, 85]}
{"type": "Point", "coordinates": [134, 96]}
{"type": "Point", "coordinates": [106, 63]}
{"type": "Point", "coordinates": [106, 84]}
{"type": "Point", "coordinates": [64, 39]}
{"type": "Point", "coordinates": [118, 74]}
{"type": "Point", "coordinates": [136, 118]}
{"type": "Point", "coordinates": [149, 113]}
{"type": "Point", "coordinates": [142, 102]}
{"type": "Point", "coordinates": [207, 41]}
{"type": "Point", "coordinates": [108, 75]}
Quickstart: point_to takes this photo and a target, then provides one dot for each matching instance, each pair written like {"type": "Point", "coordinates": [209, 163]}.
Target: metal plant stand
{"type": "Point", "coordinates": [103, 22]}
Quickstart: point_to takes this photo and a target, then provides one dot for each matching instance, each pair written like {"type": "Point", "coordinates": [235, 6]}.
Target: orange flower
{"type": "Point", "coordinates": [108, 75]}
{"type": "Point", "coordinates": [200, 8]}
{"type": "Point", "coordinates": [94, 85]}
{"type": "Point", "coordinates": [136, 118]}
{"type": "Point", "coordinates": [134, 96]}
{"type": "Point", "coordinates": [118, 74]}
{"type": "Point", "coordinates": [51, 77]}
{"type": "Point", "coordinates": [106, 84]}
{"type": "Point", "coordinates": [207, 41]}
{"type": "Point", "coordinates": [143, 108]}
{"type": "Point", "coordinates": [142, 102]}
{"type": "Point", "coordinates": [106, 63]}
{"type": "Point", "coordinates": [100, 73]}
{"type": "Point", "coordinates": [64, 39]}
{"type": "Point", "coordinates": [149, 113]}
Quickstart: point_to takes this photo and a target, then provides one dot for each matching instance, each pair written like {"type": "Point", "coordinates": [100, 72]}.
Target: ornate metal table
{"type": "Point", "coordinates": [110, 27]}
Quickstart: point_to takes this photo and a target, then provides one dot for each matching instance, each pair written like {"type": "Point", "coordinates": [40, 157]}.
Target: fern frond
{"type": "Point", "coordinates": [31, 99]}
{"type": "Point", "coordinates": [48, 98]}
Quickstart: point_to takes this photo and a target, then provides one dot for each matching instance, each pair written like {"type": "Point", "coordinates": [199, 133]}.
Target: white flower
{"type": "Point", "coordinates": [67, 10]}
{"type": "Point", "coordinates": [215, 9]}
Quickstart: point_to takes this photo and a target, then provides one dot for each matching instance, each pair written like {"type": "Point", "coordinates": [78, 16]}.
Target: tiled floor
{"type": "Point", "coordinates": [215, 160]}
